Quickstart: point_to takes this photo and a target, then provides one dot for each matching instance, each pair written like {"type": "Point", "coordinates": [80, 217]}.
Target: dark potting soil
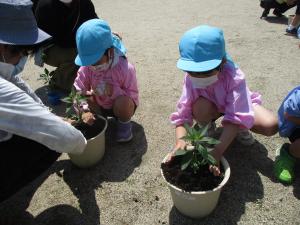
{"type": "Point", "coordinates": [187, 180]}
{"type": "Point", "coordinates": [90, 131]}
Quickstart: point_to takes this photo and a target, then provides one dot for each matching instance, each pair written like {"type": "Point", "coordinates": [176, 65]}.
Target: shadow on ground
{"type": "Point", "coordinates": [118, 163]}
{"type": "Point", "coordinates": [244, 186]}
{"type": "Point", "coordinates": [60, 215]}
{"type": "Point", "coordinates": [278, 20]}
{"type": "Point", "coordinates": [296, 183]}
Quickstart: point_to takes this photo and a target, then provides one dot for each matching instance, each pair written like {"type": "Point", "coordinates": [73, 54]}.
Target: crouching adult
{"type": "Point", "coordinates": [31, 137]}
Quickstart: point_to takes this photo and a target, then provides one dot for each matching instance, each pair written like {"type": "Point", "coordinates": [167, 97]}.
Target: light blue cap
{"type": "Point", "coordinates": [93, 37]}
{"type": "Point", "coordinates": [201, 49]}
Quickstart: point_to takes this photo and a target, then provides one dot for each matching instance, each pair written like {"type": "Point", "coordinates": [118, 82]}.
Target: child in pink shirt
{"type": "Point", "coordinates": [106, 75]}
{"type": "Point", "coordinates": [213, 86]}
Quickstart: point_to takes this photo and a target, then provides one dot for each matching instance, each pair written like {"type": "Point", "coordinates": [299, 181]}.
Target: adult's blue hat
{"type": "Point", "coordinates": [18, 25]}
{"type": "Point", "coordinates": [201, 49]}
{"type": "Point", "coordinates": [93, 37]}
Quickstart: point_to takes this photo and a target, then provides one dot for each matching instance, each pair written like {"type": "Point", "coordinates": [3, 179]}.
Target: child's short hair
{"type": "Point", "coordinates": [218, 68]}
{"type": "Point", "coordinates": [201, 49]}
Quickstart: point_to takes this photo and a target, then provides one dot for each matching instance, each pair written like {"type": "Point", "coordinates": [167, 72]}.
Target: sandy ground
{"type": "Point", "coordinates": [126, 187]}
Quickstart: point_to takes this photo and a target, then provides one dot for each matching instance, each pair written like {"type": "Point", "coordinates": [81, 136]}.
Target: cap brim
{"type": "Point", "coordinates": [92, 59]}
{"type": "Point", "coordinates": [24, 37]}
{"type": "Point", "coordinates": [88, 60]}
{"type": "Point", "coordinates": [192, 66]}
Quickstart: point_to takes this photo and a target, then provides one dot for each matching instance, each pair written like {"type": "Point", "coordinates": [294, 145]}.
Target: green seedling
{"type": "Point", "coordinates": [74, 102]}
{"type": "Point", "coordinates": [198, 155]}
{"type": "Point", "coordinates": [46, 76]}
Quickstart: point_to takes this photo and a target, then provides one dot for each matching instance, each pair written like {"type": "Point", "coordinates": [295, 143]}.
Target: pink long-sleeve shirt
{"type": "Point", "coordinates": [121, 77]}
{"type": "Point", "coordinates": [230, 94]}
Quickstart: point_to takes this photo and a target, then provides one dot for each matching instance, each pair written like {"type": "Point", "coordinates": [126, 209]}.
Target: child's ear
{"type": "Point", "coordinates": [224, 60]}
{"type": "Point", "coordinates": [111, 52]}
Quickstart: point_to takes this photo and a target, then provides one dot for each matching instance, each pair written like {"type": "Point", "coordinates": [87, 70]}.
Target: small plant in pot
{"type": "Point", "coordinates": [194, 189]}
{"type": "Point", "coordinates": [53, 96]}
{"type": "Point", "coordinates": [94, 133]}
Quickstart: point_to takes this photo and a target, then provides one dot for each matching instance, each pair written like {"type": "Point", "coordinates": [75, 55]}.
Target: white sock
{"type": "Point", "coordinates": [291, 27]}
{"type": "Point", "coordinates": [124, 122]}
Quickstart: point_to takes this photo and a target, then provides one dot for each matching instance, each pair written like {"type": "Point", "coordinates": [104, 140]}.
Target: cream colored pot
{"type": "Point", "coordinates": [94, 150]}
{"type": "Point", "coordinates": [201, 203]}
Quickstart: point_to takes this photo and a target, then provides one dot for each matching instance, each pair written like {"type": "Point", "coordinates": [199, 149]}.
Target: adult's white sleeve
{"type": "Point", "coordinates": [20, 114]}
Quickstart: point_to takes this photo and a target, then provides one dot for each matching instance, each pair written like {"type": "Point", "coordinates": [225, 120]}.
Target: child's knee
{"type": "Point", "coordinates": [204, 109]}
{"type": "Point", "coordinates": [270, 127]}
{"type": "Point", "coordinates": [124, 106]}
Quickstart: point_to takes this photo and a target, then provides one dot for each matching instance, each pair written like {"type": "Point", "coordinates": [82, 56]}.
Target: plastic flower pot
{"type": "Point", "coordinates": [54, 97]}
{"type": "Point", "coordinates": [95, 148]}
{"type": "Point", "coordinates": [200, 203]}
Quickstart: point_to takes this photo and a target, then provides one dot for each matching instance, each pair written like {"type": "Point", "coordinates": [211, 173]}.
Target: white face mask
{"type": "Point", "coordinates": [203, 82]}
{"type": "Point", "coordinates": [103, 67]}
{"type": "Point", "coordinates": [20, 66]}
{"type": "Point", "coordinates": [8, 70]}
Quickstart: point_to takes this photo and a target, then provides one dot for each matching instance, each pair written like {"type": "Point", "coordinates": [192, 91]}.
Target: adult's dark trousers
{"type": "Point", "coordinates": [22, 160]}
{"type": "Point", "coordinates": [62, 78]}
{"type": "Point", "coordinates": [273, 4]}
{"type": "Point", "coordinates": [298, 7]}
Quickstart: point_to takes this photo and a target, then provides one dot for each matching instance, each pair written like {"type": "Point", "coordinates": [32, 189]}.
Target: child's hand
{"type": "Point", "coordinates": [216, 169]}
{"type": "Point", "coordinates": [180, 144]}
{"type": "Point", "coordinates": [88, 118]}
{"type": "Point", "coordinates": [89, 93]}
{"type": "Point", "coordinates": [228, 134]}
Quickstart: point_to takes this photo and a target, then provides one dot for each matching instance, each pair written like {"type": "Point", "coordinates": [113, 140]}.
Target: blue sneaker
{"type": "Point", "coordinates": [124, 131]}
{"type": "Point", "coordinates": [291, 31]}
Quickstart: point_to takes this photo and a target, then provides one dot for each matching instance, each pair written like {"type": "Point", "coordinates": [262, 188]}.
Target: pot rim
{"type": "Point", "coordinates": [224, 181]}
{"type": "Point", "coordinates": [104, 128]}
